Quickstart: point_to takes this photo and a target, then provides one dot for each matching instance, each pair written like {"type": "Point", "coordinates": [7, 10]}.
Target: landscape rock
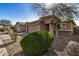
{"type": "Point", "coordinates": [72, 49]}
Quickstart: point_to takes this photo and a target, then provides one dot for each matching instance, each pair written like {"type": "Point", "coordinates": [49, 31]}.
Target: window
{"type": "Point", "coordinates": [63, 26]}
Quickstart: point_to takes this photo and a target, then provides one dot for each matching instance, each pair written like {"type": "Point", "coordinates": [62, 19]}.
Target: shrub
{"type": "Point", "coordinates": [37, 43]}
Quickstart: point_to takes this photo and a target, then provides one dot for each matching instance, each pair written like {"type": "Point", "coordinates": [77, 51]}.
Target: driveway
{"type": "Point", "coordinates": [9, 47]}
{"type": "Point", "coordinates": [23, 34]}
{"type": "Point", "coordinates": [3, 51]}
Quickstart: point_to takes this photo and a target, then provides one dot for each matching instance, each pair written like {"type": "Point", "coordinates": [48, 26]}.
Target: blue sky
{"type": "Point", "coordinates": [17, 12]}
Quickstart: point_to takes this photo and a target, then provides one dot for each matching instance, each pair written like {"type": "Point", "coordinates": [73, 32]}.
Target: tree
{"type": "Point", "coordinates": [5, 22]}
{"type": "Point", "coordinates": [61, 10]}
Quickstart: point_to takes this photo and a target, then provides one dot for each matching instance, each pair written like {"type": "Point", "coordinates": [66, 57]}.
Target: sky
{"type": "Point", "coordinates": [17, 12]}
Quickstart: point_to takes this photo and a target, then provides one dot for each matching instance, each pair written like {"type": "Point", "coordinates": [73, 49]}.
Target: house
{"type": "Point", "coordinates": [20, 27]}
{"type": "Point", "coordinates": [47, 23]}
{"type": "Point", "coordinates": [2, 29]}
{"type": "Point", "coordinates": [67, 25]}
{"type": "Point", "coordinates": [51, 24]}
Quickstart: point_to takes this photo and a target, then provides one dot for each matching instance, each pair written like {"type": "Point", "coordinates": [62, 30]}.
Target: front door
{"type": "Point", "coordinates": [47, 27]}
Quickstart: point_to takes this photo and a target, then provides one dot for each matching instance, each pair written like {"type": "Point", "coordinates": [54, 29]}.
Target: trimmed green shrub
{"type": "Point", "coordinates": [37, 43]}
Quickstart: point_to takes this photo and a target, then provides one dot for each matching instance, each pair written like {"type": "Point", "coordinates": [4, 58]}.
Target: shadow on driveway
{"type": "Point", "coordinates": [6, 44]}
{"type": "Point", "coordinates": [19, 54]}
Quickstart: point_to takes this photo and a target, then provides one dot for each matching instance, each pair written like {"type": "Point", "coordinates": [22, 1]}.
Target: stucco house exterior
{"type": "Point", "coordinates": [51, 24]}
{"type": "Point", "coordinates": [47, 23]}
{"type": "Point", "coordinates": [67, 27]}
{"type": "Point", "coordinates": [20, 27]}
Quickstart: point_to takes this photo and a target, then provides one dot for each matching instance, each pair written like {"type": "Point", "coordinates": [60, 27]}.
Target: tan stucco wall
{"type": "Point", "coordinates": [26, 28]}
{"type": "Point", "coordinates": [23, 28]}
{"type": "Point", "coordinates": [67, 26]}
{"type": "Point", "coordinates": [20, 28]}
{"type": "Point", "coordinates": [41, 24]}
{"type": "Point", "coordinates": [36, 26]}
{"type": "Point", "coordinates": [68, 29]}
{"type": "Point", "coordinates": [33, 28]}
{"type": "Point", "coordinates": [65, 33]}
{"type": "Point", "coordinates": [50, 28]}
{"type": "Point", "coordinates": [49, 21]}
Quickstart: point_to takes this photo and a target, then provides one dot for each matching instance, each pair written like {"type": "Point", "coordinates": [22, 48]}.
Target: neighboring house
{"type": "Point", "coordinates": [1, 29]}
{"type": "Point", "coordinates": [20, 27]}
{"type": "Point", "coordinates": [47, 23]}
{"type": "Point", "coordinates": [5, 28]}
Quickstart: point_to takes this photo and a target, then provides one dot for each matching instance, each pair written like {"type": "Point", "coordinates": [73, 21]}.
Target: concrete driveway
{"type": "Point", "coordinates": [3, 51]}
{"type": "Point", "coordinates": [23, 34]}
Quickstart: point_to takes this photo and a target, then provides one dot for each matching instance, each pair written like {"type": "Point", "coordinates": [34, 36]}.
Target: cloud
{"type": "Point", "coordinates": [77, 22]}
{"type": "Point", "coordinates": [50, 5]}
